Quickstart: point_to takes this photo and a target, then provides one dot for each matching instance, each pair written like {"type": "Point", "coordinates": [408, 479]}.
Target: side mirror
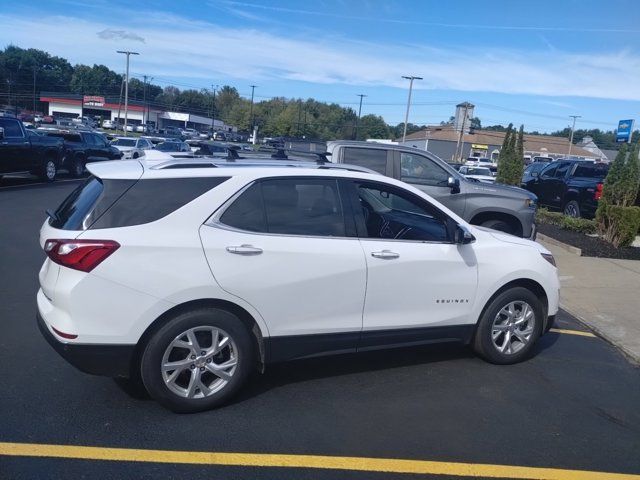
{"type": "Point", "coordinates": [453, 184]}
{"type": "Point", "coordinates": [1, 133]}
{"type": "Point", "coordinates": [462, 236]}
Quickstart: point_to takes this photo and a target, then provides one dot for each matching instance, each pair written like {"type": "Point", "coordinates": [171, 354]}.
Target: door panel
{"type": "Point", "coordinates": [300, 285]}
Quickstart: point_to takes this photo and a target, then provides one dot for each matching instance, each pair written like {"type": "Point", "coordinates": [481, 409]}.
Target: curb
{"type": "Point", "coordinates": [557, 243]}
{"type": "Point", "coordinates": [632, 357]}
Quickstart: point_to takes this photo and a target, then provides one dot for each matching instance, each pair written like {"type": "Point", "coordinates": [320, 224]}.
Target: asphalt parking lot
{"type": "Point", "coordinates": [574, 406]}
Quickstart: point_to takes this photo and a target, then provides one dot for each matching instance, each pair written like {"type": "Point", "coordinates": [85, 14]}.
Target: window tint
{"type": "Point", "coordinates": [562, 170]}
{"type": "Point", "coordinates": [11, 128]}
{"type": "Point", "coordinates": [420, 170]}
{"type": "Point", "coordinates": [91, 140]}
{"type": "Point", "coordinates": [550, 170]}
{"type": "Point", "coordinates": [590, 170]}
{"type": "Point", "coordinates": [74, 211]}
{"type": "Point", "coordinates": [373, 158]}
{"type": "Point", "coordinates": [391, 214]}
{"type": "Point", "coordinates": [295, 206]}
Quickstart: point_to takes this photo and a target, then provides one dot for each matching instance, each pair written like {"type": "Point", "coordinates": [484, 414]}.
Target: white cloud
{"type": "Point", "coordinates": [110, 34]}
{"type": "Point", "coordinates": [177, 47]}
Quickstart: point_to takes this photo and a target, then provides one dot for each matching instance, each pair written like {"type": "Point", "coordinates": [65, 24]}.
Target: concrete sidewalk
{"type": "Point", "coordinates": [604, 294]}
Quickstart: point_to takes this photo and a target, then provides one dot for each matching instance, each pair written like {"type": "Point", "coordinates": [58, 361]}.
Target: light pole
{"type": "Point", "coordinates": [572, 130]}
{"type": "Point", "coordinates": [355, 133]}
{"type": "Point", "coordinates": [126, 88]}
{"type": "Point", "coordinates": [406, 115]}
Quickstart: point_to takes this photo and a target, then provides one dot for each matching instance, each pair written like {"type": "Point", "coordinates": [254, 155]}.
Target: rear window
{"type": "Point", "coordinates": [373, 158]}
{"type": "Point", "coordinates": [105, 203]}
{"type": "Point", "coordinates": [591, 170]}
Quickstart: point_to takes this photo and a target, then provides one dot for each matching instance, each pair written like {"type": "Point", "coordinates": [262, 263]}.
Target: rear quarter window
{"type": "Point", "coordinates": [373, 158]}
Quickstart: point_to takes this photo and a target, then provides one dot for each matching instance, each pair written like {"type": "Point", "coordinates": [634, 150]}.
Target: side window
{"type": "Point", "coordinates": [562, 170]}
{"type": "Point", "coordinates": [90, 139]}
{"type": "Point", "coordinates": [395, 215]}
{"type": "Point", "coordinates": [373, 158]}
{"type": "Point", "coordinates": [420, 170]}
{"type": "Point", "coordinates": [289, 206]}
{"type": "Point", "coordinates": [549, 171]}
{"type": "Point", "coordinates": [11, 128]}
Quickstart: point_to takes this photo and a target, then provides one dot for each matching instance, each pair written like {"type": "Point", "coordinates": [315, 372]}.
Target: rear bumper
{"type": "Point", "coordinates": [95, 359]}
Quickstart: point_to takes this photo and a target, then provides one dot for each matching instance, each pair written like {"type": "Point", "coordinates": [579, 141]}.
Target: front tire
{"type": "Point", "coordinates": [509, 327]}
{"type": "Point", "coordinates": [49, 171]}
{"type": "Point", "coordinates": [499, 225]}
{"type": "Point", "coordinates": [198, 360]}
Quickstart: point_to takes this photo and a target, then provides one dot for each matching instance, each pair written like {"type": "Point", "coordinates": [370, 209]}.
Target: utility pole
{"type": "Point", "coordinates": [406, 115]}
{"type": "Point", "coordinates": [119, 103]}
{"type": "Point", "coordinates": [355, 133]}
{"type": "Point", "coordinates": [126, 88]}
{"type": "Point", "coordinates": [572, 130]}
{"type": "Point", "coordinates": [213, 108]}
{"type": "Point", "coordinates": [34, 91]}
{"type": "Point", "coordinates": [144, 99]}
{"type": "Point", "coordinates": [253, 87]}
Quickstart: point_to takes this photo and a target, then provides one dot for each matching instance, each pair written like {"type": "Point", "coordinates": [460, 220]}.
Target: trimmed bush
{"type": "Point", "coordinates": [581, 225]}
{"type": "Point", "coordinates": [552, 218]}
{"type": "Point", "coordinates": [618, 224]}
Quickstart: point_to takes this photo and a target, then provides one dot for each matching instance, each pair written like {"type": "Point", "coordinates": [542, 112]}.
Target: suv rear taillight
{"type": "Point", "coordinates": [597, 195]}
{"type": "Point", "coordinates": [83, 255]}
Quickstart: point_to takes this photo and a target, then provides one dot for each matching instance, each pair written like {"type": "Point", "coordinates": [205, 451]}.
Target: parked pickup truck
{"type": "Point", "coordinates": [571, 186]}
{"type": "Point", "coordinates": [81, 147]}
{"type": "Point", "coordinates": [500, 207]}
{"type": "Point", "coordinates": [23, 150]}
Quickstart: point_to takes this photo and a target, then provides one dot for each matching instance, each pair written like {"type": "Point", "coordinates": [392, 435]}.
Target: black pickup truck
{"type": "Point", "coordinates": [571, 186]}
{"type": "Point", "coordinates": [81, 147]}
{"type": "Point", "coordinates": [23, 150]}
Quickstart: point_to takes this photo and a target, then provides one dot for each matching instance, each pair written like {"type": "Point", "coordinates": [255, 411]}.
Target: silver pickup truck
{"type": "Point", "coordinates": [496, 206]}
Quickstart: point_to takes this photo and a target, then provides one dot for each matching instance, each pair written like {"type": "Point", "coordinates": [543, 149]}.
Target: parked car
{"type": "Point", "coordinates": [481, 162]}
{"type": "Point", "coordinates": [190, 132]}
{"type": "Point", "coordinates": [220, 136]}
{"type": "Point", "coordinates": [81, 148]}
{"type": "Point", "coordinates": [572, 186]}
{"type": "Point", "coordinates": [500, 207]}
{"type": "Point", "coordinates": [24, 150]}
{"type": "Point", "coordinates": [172, 146]}
{"type": "Point", "coordinates": [542, 159]}
{"type": "Point", "coordinates": [241, 267]}
{"type": "Point", "coordinates": [131, 147]}
{"type": "Point", "coordinates": [482, 174]}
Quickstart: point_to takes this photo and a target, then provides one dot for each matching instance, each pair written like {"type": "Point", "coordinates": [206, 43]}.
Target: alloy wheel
{"type": "Point", "coordinates": [199, 362]}
{"type": "Point", "coordinates": [513, 327]}
{"type": "Point", "coordinates": [50, 170]}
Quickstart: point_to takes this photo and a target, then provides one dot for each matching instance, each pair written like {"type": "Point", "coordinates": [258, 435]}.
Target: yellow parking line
{"type": "Point", "coordinates": [361, 464]}
{"type": "Point", "coordinates": [572, 332]}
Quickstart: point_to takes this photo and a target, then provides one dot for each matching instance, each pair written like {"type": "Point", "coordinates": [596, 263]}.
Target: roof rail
{"type": "Point", "coordinates": [281, 153]}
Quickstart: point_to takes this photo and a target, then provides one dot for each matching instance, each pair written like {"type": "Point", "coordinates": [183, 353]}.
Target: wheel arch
{"type": "Point", "coordinates": [528, 283]}
{"type": "Point", "coordinates": [508, 218]}
{"type": "Point", "coordinates": [245, 317]}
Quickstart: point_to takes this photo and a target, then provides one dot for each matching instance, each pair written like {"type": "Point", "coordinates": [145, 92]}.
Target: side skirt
{"type": "Point", "coordinates": [284, 348]}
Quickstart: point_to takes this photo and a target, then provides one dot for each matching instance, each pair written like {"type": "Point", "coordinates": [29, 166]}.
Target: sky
{"type": "Point", "coordinates": [529, 62]}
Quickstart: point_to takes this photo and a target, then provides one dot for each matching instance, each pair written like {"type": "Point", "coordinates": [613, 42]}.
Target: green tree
{"type": "Point", "coordinates": [372, 126]}
{"type": "Point", "coordinates": [505, 156]}
{"type": "Point", "coordinates": [96, 80]}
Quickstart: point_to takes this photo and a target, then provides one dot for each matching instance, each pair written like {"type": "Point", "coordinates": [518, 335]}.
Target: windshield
{"type": "Point", "coordinates": [124, 142]}
{"type": "Point", "coordinates": [168, 147]}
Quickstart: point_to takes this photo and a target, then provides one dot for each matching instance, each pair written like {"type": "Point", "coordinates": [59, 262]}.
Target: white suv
{"type": "Point", "coordinates": [188, 274]}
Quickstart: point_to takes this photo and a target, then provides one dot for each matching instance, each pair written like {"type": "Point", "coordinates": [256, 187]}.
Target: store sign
{"type": "Point", "coordinates": [625, 127]}
{"type": "Point", "coordinates": [93, 101]}
{"type": "Point", "coordinates": [478, 146]}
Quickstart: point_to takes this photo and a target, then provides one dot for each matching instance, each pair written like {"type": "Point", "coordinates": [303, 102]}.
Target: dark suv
{"type": "Point", "coordinates": [82, 147]}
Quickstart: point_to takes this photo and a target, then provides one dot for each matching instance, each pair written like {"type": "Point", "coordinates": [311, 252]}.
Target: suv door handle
{"type": "Point", "coordinates": [244, 250]}
{"type": "Point", "coordinates": [385, 254]}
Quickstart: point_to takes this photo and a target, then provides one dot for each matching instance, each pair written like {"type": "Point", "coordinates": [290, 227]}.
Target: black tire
{"type": "Point", "coordinates": [152, 359]}
{"type": "Point", "coordinates": [499, 225]}
{"type": "Point", "coordinates": [483, 343]}
{"type": "Point", "coordinates": [135, 155]}
{"type": "Point", "coordinates": [49, 171]}
{"type": "Point", "coordinates": [77, 168]}
{"type": "Point", "coordinates": [572, 209]}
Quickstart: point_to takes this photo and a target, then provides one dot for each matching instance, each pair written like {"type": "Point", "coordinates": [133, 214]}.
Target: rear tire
{"type": "Point", "coordinates": [504, 338]}
{"type": "Point", "coordinates": [77, 168]}
{"type": "Point", "coordinates": [572, 209]}
{"type": "Point", "coordinates": [499, 225]}
{"type": "Point", "coordinates": [208, 372]}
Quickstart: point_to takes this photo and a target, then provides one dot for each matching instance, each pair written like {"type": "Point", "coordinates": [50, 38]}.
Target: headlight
{"type": "Point", "coordinates": [531, 203]}
{"type": "Point", "coordinates": [549, 258]}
